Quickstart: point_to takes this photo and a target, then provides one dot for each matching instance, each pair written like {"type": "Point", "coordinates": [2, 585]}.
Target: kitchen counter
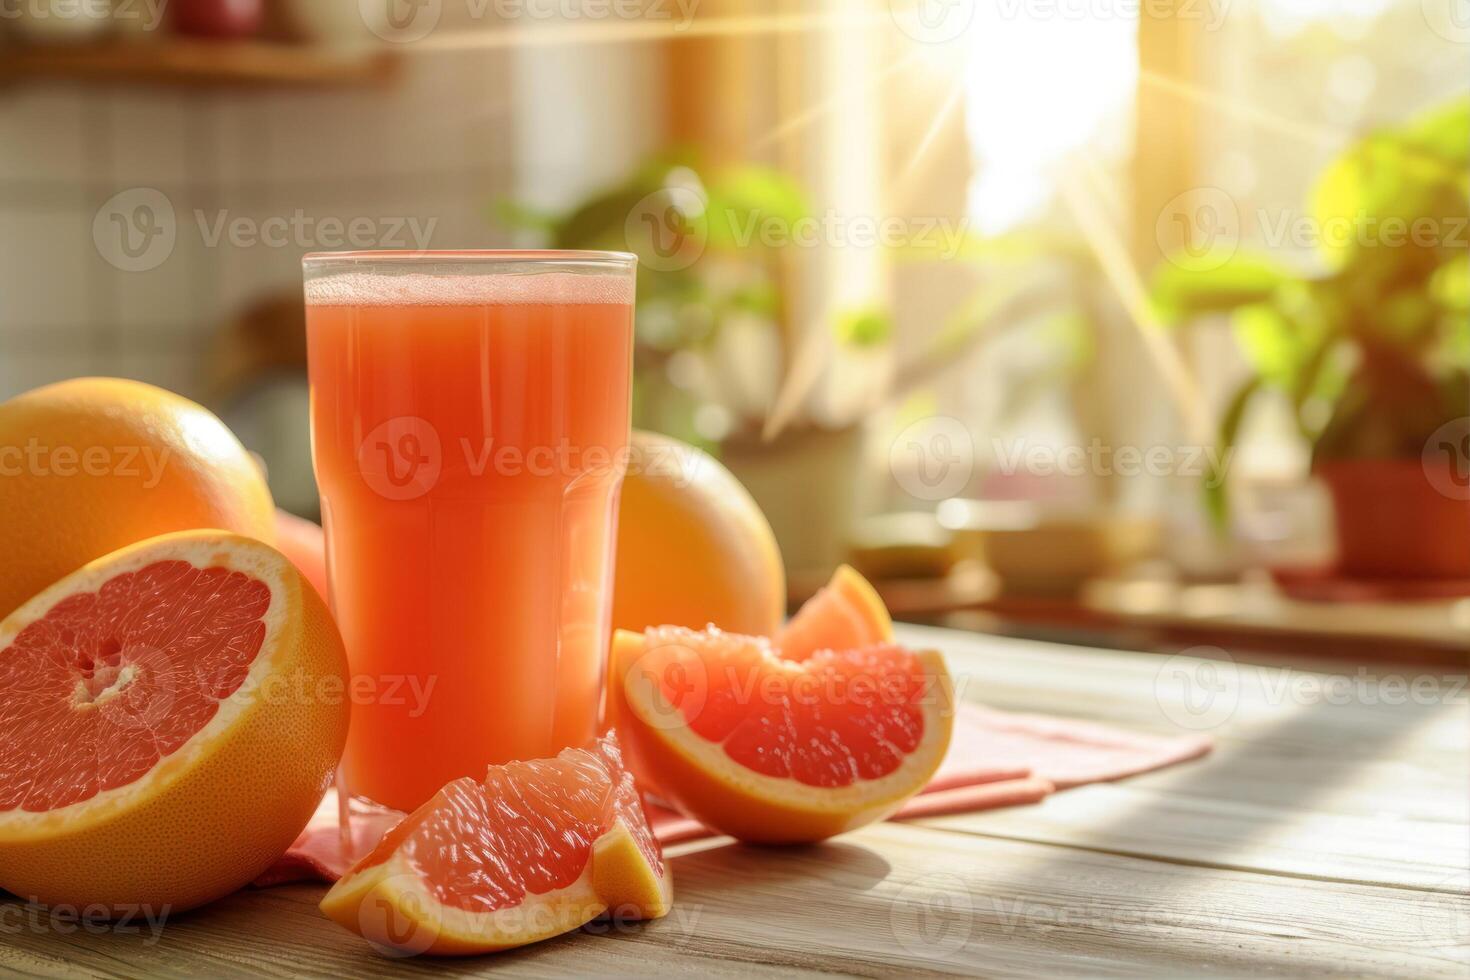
{"type": "Point", "coordinates": [1329, 833]}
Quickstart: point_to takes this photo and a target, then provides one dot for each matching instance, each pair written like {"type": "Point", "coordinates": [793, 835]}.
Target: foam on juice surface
{"type": "Point", "coordinates": [490, 289]}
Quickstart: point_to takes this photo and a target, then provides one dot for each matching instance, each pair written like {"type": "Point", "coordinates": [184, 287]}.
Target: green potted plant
{"type": "Point", "coordinates": [1371, 347]}
{"type": "Point", "coordinates": [703, 279]}
{"type": "Point", "coordinates": [712, 343]}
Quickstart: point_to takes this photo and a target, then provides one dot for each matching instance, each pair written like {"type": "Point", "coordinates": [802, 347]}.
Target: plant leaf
{"type": "Point", "coordinates": [1180, 293]}
{"type": "Point", "coordinates": [864, 328]}
{"type": "Point", "coordinates": [1269, 341]}
{"type": "Point", "coordinates": [516, 216]}
{"type": "Point", "coordinates": [1217, 487]}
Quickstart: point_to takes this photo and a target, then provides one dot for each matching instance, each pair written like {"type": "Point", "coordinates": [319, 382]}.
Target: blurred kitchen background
{"type": "Point", "coordinates": [1136, 324]}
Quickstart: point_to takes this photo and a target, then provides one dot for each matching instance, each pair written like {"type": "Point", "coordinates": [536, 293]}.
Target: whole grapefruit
{"type": "Point", "coordinates": [303, 542]}
{"type": "Point", "coordinates": [90, 465]}
{"type": "Point", "coordinates": [693, 547]}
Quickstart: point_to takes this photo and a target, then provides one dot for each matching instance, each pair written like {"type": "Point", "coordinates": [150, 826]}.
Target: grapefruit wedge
{"type": "Point", "coordinates": [774, 750]}
{"type": "Point", "coordinates": [534, 850]}
{"type": "Point", "coordinates": [845, 614]}
{"type": "Point", "coordinates": [171, 715]}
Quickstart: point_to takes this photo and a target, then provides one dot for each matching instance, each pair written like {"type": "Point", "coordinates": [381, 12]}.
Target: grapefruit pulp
{"type": "Point", "coordinates": [171, 715]}
{"type": "Point", "coordinates": [534, 850]}
{"type": "Point", "coordinates": [845, 614]}
{"type": "Point", "coordinates": [774, 750]}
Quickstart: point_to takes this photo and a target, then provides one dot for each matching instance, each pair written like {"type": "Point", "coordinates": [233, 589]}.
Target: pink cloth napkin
{"type": "Point", "coordinates": [996, 759]}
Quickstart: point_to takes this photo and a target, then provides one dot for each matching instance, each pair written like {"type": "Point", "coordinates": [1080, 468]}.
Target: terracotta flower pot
{"type": "Point", "coordinates": [1394, 521]}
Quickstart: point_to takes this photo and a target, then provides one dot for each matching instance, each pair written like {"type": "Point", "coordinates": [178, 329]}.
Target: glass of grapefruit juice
{"type": "Point", "coordinates": [470, 422]}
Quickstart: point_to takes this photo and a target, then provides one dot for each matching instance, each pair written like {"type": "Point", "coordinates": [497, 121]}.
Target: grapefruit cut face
{"type": "Point", "coordinates": [122, 677]}
{"type": "Point", "coordinates": [534, 850]}
{"type": "Point", "coordinates": [845, 614]}
{"type": "Point", "coordinates": [776, 750]}
{"type": "Point", "coordinates": [149, 699]}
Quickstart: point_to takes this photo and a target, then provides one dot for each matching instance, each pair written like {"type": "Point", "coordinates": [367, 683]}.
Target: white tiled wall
{"type": "Point", "coordinates": [435, 146]}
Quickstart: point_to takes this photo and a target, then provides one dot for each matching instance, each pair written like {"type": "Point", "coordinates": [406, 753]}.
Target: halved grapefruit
{"type": "Point", "coordinates": [171, 715]}
{"type": "Point", "coordinates": [845, 614]}
{"type": "Point", "coordinates": [534, 850]}
{"type": "Point", "coordinates": [774, 750]}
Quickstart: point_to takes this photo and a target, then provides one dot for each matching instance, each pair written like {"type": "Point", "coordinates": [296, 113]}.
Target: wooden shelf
{"type": "Point", "coordinates": [186, 62]}
{"type": "Point", "coordinates": [1149, 613]}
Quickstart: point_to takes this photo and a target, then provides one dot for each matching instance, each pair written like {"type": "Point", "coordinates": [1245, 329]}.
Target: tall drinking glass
{"type": "Point", "coordinates": [470, 416]}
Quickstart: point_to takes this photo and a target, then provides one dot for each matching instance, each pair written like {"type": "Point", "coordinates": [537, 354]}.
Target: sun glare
{"type": "Point", "coordinates": [1040, 88]}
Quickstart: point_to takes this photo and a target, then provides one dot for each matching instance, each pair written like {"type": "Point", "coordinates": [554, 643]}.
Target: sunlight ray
{"type": "Point", "coordinates": [1117, 265]}
{"type": "Point", "coordinates": [911, 166]}
{"type": "Point", "coordinates": [788, 126]}
{"type": "Point", "coordinates": [1324, 136]}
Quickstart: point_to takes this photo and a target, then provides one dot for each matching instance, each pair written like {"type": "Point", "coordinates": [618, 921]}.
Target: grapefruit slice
{"type": "Point", "coordinates": [534, 850]}
{"type": "Point", "coordinates": [171, 715]}
{"type": "Point", "coordinates": [773, 750]}
{"type": "Point", "coordinates": [845, 614]}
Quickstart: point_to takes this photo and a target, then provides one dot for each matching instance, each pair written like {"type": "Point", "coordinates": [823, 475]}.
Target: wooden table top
{"type": "Point", "coordinates": [1329, 834]}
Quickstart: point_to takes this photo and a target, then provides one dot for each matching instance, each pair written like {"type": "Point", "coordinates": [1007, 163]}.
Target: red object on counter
{"type": "Point", "coordinates": [223, 19]}
{"type": "Point", "coordinates": [1399, 519]}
